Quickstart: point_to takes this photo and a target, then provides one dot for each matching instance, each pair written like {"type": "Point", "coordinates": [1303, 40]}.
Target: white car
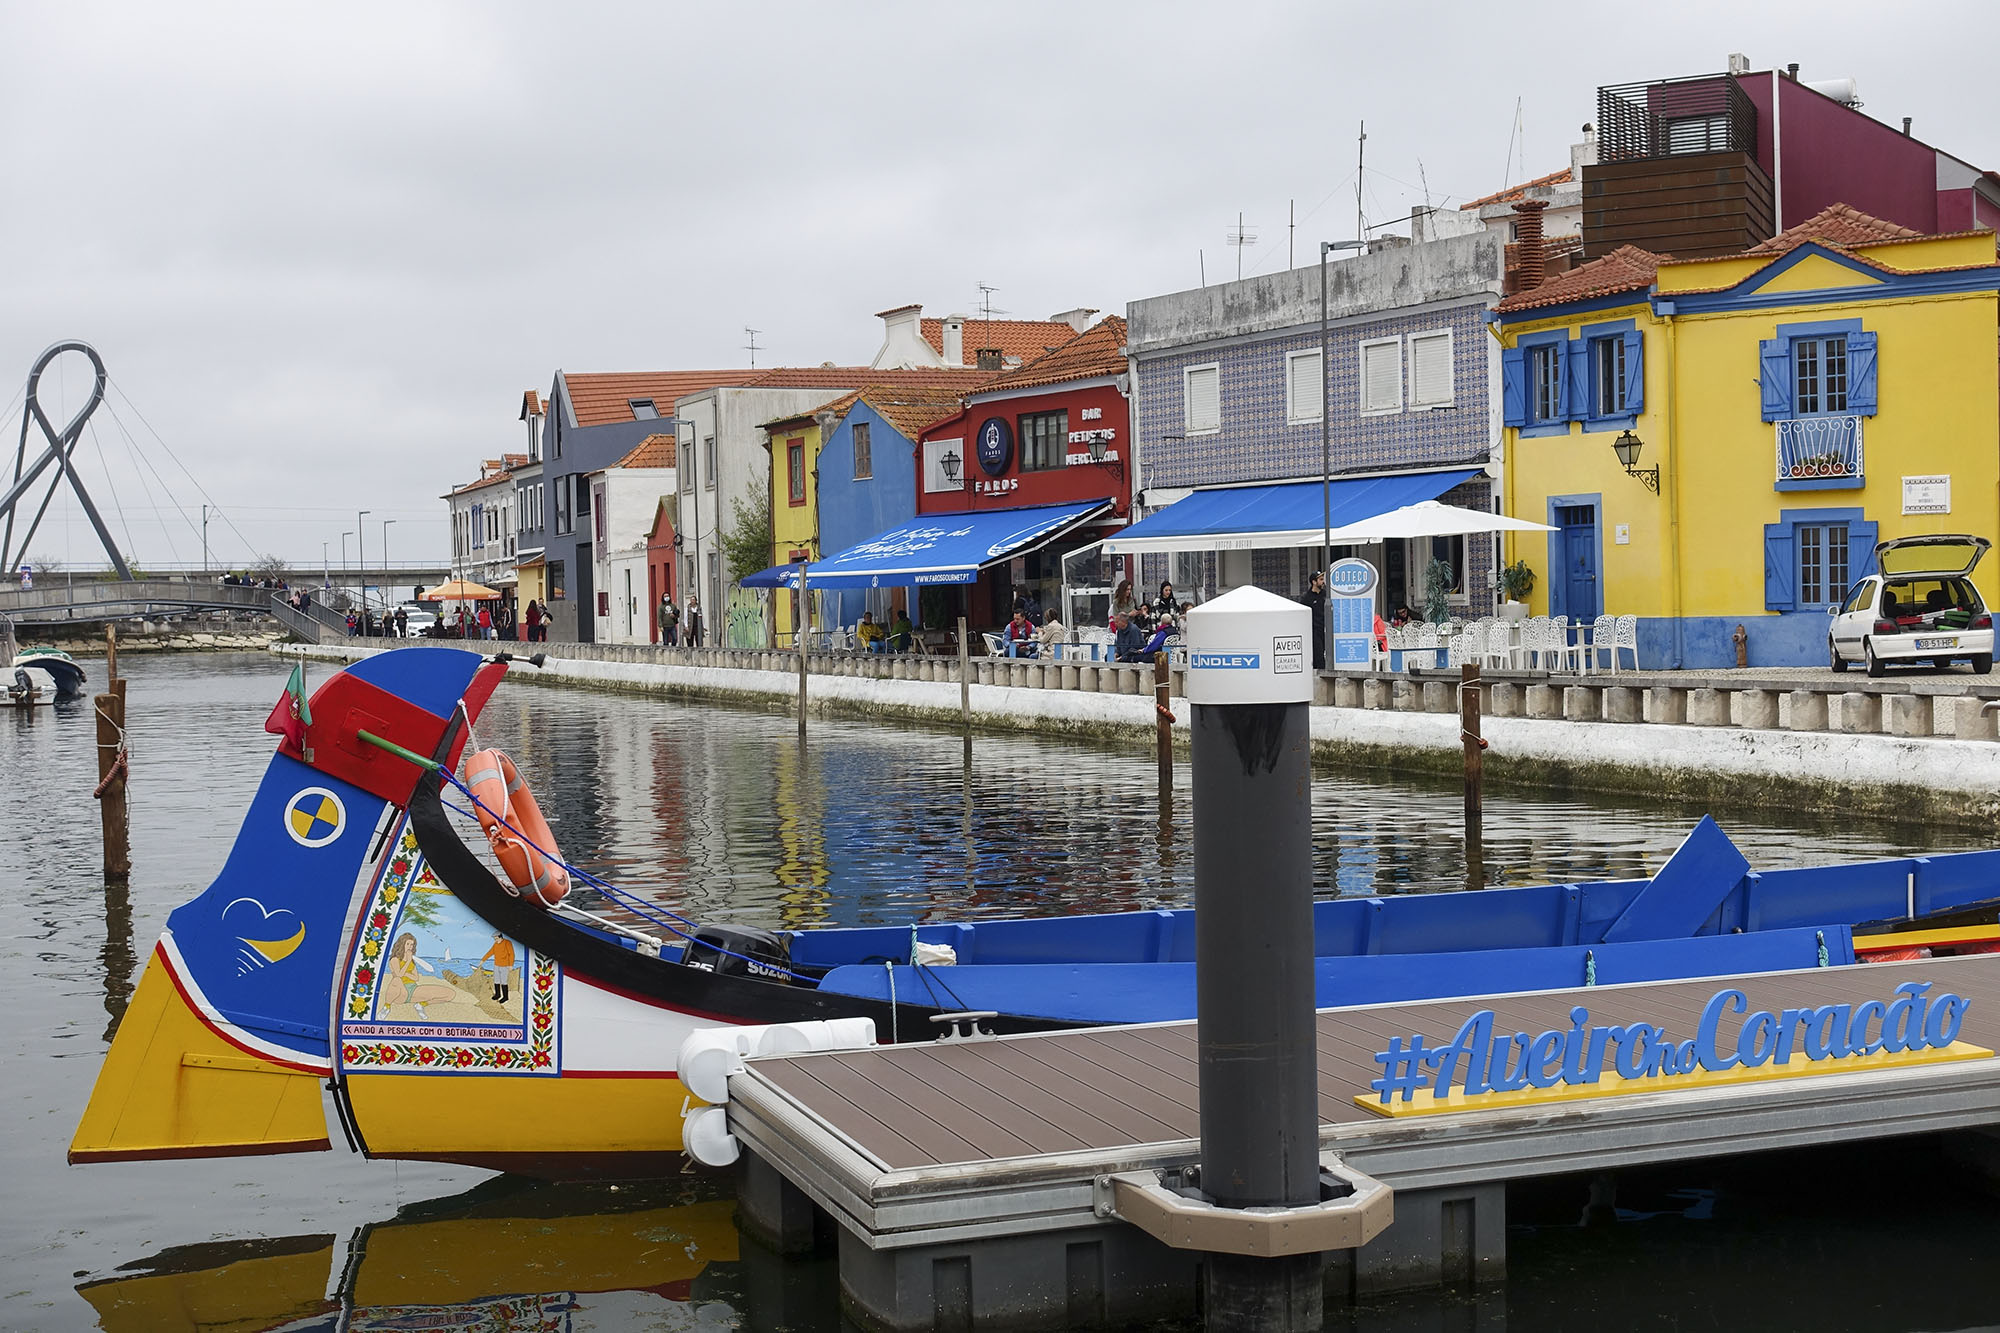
{"type": "Point", "coordinates": [420, 619]}
{"type": "Point", "coordinates": [1919, 607]}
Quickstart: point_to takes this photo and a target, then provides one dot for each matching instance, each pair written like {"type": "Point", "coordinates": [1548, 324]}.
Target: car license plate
{"type": "Point", "coordinates": [1937, 643]}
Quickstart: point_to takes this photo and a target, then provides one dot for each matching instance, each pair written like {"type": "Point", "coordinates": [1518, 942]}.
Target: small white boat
{"type": "Point", "coordinates": [46, 674]}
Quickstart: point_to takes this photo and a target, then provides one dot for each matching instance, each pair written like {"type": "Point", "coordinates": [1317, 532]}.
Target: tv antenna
{"type": "Point", "coordinates": [1240, 236]}
{"type": "Point", "coordinates": [987, 310]}
{"type": "Point", "coordinates": [752, 344]}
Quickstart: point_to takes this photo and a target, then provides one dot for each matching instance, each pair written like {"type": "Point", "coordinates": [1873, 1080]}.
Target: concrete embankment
{"type": "Point", "coordinates": [1728, 763]}
{"type": "Point", "coordinates": [184, 634]}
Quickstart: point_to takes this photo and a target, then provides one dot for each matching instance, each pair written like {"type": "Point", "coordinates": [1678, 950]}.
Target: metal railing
{"type": "Point", "coordinates": [1819, 450]}
{"type": "Point", "coordinates": [1707, 114]}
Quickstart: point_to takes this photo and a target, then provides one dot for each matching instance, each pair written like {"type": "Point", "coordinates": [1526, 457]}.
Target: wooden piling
{"type": "Point", "coordinates": [800, 627]}
{"type": "Point", "coordinates": [1475, 747]}
{"type": "Point", "coordinates": [111, 768]}
{"type": "Point", "coordinates": [1163, 719]}
{"type": "Point", "coordinates": [964, 676]}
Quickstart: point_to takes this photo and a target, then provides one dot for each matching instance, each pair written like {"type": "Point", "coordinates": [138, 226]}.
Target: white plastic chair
{"type": "Point", "coordinates": [994, 646]}
{"type": "Point", "coordinates": [1566, 656]}
{"type": "Point", "coordinates": [1602, 631]}
{"type": "Point", "coordinates": [1497, 647]}
{"type": "Point", "coordinates": [1427, 641]}
{"type": "Point", "coordinates": [1625, 639]}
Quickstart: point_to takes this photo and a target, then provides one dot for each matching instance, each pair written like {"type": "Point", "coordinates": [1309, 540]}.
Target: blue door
{"type": "Point", "coordinates": [1579, 556]}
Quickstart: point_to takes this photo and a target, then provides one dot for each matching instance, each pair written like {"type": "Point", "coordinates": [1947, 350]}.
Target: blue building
{"type": "Point", "coordinates": [1230, 381]}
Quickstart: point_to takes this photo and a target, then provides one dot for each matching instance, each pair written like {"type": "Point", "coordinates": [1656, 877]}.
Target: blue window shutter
{"type": "Point", "coordinates": [1861, 374]}
{"type": "Point", "coordinates": [1514, 386]}
{"type": "Point", "coordinates": [1861, 539]}
{"type": "Point", "coordinates": [1635, 372]}
{"type": "Point", "coordinates": [1576, 381]}
{"type": "Point", "coordinates": [1775, 356]}
{"type": "Point", "coordinates": [1778, 580]}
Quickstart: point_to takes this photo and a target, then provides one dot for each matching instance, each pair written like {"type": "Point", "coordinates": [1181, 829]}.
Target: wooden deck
{"type": "Point", "coordinates": [916, 1137]}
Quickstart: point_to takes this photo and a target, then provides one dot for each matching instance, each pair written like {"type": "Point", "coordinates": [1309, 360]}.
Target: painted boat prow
{"type": "Point", "coordinates": [226, 1040]}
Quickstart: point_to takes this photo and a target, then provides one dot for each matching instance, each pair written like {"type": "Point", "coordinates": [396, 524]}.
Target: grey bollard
{"type": "Point", "coordinates": [1086, 677]}
{"type": "Point", "coordinates": [1624, 703]}
{"type": "Point", "coordinates": [1971, 722]}
{"type": "Point", "coordinates": [1583, 703]}
{"type": "Point", "coordinates": [1666, 703]}
{"type": "Point", "coordinates": [1376, 693]}
{"type": "Point", "coordinates": [1907, 715]}
{"type": "Point", "coordinates": [1440, 697]}
{"type": "Point", "coordinates": [1707, 708]}
{"type": "Point", "coordinates": [1544, 701]}
{"type": "Point", "coordinates": [1860, 714]}
{"type": "Point", "coordinates": [985, 670]}
{"type": "Point", "coordinates": [1808, 711]}
{"type": "Point", "coordinates": [1069, 676]}
{"type": "Point", "coordinates": [1346, 692]}
{"type": "Point", "coordinates": [1323, 691]}
{"type": "Point", "coordinates": [1404, 696]}
{"type": "Point", "coordinates": [1757, 709]}
{"type": "Point", "coordinates": [1504, 700]}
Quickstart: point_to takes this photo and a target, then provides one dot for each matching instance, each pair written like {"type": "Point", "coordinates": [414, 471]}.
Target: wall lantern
{"type": "Point", "coordinates": [948, 464]}
{"type": "Point", "coordinates": [1627, 447]}
{"type": "Point", "coordinates": [1097, 453]}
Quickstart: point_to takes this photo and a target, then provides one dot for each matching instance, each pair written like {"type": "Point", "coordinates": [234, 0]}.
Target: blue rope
{"type": "Point", "coordinates": [623, 897]}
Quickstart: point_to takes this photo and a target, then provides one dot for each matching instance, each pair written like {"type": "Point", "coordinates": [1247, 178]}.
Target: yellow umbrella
{"type": "Point", "coordinates": [461, 590]}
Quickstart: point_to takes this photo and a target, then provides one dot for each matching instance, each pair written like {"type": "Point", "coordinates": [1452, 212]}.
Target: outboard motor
{"type": "Point", "coordinates": [749, 953]}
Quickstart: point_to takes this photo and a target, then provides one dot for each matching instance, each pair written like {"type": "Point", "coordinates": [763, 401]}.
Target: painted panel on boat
{"type": "Point", "coordinates": [431, 988]}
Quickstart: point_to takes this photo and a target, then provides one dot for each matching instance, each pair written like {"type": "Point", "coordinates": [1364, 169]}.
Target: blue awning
{"type": "Point", "coordinates": [938, 548]}
{"type": "Point", "coordinates": [1288, 513]}
{"type": "Point", "coordinates": [777, 576]}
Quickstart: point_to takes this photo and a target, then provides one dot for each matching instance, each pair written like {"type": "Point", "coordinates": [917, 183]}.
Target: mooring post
{"type": "Point", "coordinates": [799, 628]}
{"type": "Point", "coordinates": [111, 768]}
{"type": "Point", "coordinates": [1475, 750]}
{"type": "Point", "coordinates": [1249, 685]}
{"type": "Point", "coordinates": [964, 676]}
{"type": "Point", "coordinates": [1163, 718]}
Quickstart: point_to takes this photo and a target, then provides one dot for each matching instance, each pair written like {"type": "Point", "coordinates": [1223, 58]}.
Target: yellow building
{"type": "Point", "coordinates": [793, 444]}
{"type": "Point", "coordinates": [1785, 409]}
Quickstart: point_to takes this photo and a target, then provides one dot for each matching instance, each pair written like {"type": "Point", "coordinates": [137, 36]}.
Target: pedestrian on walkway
{"type": "Point", "coordinates": [694, 628]}
{"type": "Point", "coordinates": [485, 622]}
{"type": "Point", "coordinates": [402, 622]}
{"type": "Point", "coordinates": [534, 621]}
{"type": "Point", "coordinates": [503, 620]}
{"type": "Point", "coordinates": [670, 620]}
{"type": "Point", "coordinates": [1316, 599]}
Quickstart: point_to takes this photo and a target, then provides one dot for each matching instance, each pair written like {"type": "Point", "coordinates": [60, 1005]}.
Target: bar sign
{"type": "Point", "coordinates": [1288, 654]}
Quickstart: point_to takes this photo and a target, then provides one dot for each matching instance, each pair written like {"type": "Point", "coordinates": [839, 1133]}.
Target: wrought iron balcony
{"type": "Point", "coordinates": [1707, 114]}
{"type": "Point", "coordinates": [1819, 454]}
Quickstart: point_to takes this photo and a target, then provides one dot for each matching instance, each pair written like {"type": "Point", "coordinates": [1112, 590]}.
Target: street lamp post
{"type": "Point", "coordinates": [343, 551]}
{"type": "Point", "coordinates": [325, 569]}
{"type": "Point", "coordinates": [361, 557]}
{"type": "Point", "coordinates": [385, 562]}
{"type": "Point", "coordinates": [204, 541]}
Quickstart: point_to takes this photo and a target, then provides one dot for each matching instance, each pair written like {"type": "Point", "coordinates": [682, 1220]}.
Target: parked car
{"type": "Point", "coordinates": [420, 619]}
{"type": "Point", "coordinates": [1920, 606]}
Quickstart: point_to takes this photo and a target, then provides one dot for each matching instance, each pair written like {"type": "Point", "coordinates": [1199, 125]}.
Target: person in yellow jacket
{"type": "Point", "coordinates": [869, 634]}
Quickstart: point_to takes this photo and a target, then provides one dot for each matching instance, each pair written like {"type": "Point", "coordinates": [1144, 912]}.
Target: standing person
{"type": "Point", "coordinates": [501, 955]}
{"type": "Point", "coordinates": [402, 622]}
{"type": "Point", "coordinates": [1121, 600]}
{"type": "Point", "coordinates": [548, 620]}
{"type": "Point", "coordinates": [350, 624]}
{"type": "Point", "coordinates": [670, 621]}
{"type": "Point", "coordinates": [485, 621]}
{"type": "Point", "coordinates": [1316, 599]}
{"type": "Point", "coordinates": [534, 621]}
{"type": "Point", "coordinates": [459, 622]}
{"type": "Point", "coordinates": [503, 620]}
{"type": "Point", "coordinates": [694, 627]}
{"type": "Point", "coordinates": [1165, 604]}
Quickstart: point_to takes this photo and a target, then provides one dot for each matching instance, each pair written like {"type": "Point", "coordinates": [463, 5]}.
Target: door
{"type": "Point", "coordinates": [1581, 601]}
{"type": "Point", "coordinates": [1855, 618]}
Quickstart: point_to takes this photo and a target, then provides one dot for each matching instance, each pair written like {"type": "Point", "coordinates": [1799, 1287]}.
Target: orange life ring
{"type": "Point", "coordinates": [504, 799]}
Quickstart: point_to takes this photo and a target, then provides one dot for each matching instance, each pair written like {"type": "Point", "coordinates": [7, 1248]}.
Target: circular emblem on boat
{"type": "Point", "coordinates": [315, 817]}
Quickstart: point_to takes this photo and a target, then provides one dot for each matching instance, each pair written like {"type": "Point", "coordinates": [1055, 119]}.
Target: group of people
{"type": "Point", "coordinates": [1141, 629]}
{"type": "Point", "coordinates": [245, 581]}
{"type": "Point", "coordinates": [390, 624]}
{"type": "Point", "coordinates": [678, 628]}
{"type": "Point", "coordinates": [895, 637]}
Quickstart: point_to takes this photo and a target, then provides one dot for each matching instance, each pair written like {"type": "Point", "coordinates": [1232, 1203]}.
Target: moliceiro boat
{"type": "Point", "coordinates": [353, 943]}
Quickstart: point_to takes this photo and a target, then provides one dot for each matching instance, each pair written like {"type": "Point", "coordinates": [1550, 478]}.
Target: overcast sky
{"type": "Point", "coordinates": [323, 249]}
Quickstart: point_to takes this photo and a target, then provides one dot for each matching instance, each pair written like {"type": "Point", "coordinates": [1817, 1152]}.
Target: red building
{"type": "Point", "coordinates": [1055, 430]}
{"type": "Point", "coordinates": [660, 563]}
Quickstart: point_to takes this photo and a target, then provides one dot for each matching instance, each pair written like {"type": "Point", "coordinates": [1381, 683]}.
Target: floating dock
{"type": "Point", "coordinates": [978, 1183]}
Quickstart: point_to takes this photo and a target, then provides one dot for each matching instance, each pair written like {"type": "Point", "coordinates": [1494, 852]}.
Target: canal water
{"type": "Point", "coordinates": [717, 813]}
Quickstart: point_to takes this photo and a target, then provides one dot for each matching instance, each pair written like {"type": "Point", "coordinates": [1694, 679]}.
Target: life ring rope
{"type": "Point", "coordinates": [514, 826]}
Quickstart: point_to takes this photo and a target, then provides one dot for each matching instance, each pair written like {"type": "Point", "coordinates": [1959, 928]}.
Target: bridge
{"type": "Point", "coordinates": [85, 601]}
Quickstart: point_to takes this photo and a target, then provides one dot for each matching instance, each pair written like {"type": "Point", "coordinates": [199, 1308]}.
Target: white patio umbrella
{"type": "Point", "coordinates": [1429, 518]}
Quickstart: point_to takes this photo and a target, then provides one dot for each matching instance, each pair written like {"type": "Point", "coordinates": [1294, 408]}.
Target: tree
{"type": "Point", "coordinates": [45, 564]}
{"type": "Point", "coordinates": [1437, 587]}
{"type": "Point", "coordinates": [746, 546]}
{"type": "Point", "coordinates": [267, 566]}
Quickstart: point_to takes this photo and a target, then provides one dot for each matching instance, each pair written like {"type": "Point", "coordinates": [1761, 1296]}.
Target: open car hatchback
{"type": "Point", "coordinates": [1920, 607]}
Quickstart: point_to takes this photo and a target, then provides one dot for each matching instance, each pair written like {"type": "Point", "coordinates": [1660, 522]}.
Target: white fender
{"type": "Point", "coordinates": [706, 1137]}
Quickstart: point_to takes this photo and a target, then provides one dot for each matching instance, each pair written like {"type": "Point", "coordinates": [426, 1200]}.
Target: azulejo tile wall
{"type": "Point", "coordinates": [1258, 443]}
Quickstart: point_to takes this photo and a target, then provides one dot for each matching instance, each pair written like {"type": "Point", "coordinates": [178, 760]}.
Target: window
{"type": "Point", "coordinates": [714, 579]}
{"type": "Point", "coordinates": [565, 523]}
{"type": "Point", "coordinates": [1044, 438]}
{"type": "Point", "coordinates": [582, 496]}
{"type": "Point", "coordinates": [864, 455]}
{"type": "Point", "coordinates": [1430, 369]}
{"type": "Point", "coordinates": [1305, 386]}
{"type": "Point", "coordinates": [795, 470]}
{"type": "Point", "coordinates": [1382, 375]}
{"type": "Point", "coordinates": [687, 475]}
{"type": "Point", "coordinates": [1202, 394]}
{"type": "Point", "coordinates": [1819, 375]}
{"type": "Point", "coordinates": [643, 409]}
{"type": "Point", "coordinates": [708, 462]}
{"type": "Point", "coordinates": [1864, 591]}
{"type": "Point", "coordinates": [1698, 134]}
{"type": "Point", "coordinates": [603, 603]}
{"type": "Point", "coordinates": [597, 524]}
{"type": "Point", "coordinates": [1822, 554]}
{"type": "Point", "coordinates": [1545, 397]}
{"type": "Point", "coordinates": [556, 584]}
{"type": "Point", "coordinates": [1812, 555]}
{"type": "Point", "coordinates": [1607, 377]}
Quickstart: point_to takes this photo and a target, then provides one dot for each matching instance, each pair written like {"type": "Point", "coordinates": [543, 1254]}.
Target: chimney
{"type": "Point", "coordinates": [1792, 71]}
{"type": "Point", "coordinates": [1078, 319]}
{"type": "Point", "coordinates": [990, 359]}
{"type": "Point", "coordinates": [1583, 154]}
{"type": "Point", "coordinates": [1529, 266]}
{"type": "Point", "coordinates": [903, 345]}
{"type": "Point", "coordinates": [1906, 127]}
{"type": "Point", "coordinates": [954, 340]}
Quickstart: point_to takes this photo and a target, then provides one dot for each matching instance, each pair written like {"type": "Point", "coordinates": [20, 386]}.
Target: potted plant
{"type": "Point", "coordinates": [1516, 582]}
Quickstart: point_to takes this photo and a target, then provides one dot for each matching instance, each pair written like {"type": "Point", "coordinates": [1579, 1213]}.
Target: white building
{"type": "Point", "coordinates": [484, 533]}
{"type": "Point", "coordinates": [624, 499]}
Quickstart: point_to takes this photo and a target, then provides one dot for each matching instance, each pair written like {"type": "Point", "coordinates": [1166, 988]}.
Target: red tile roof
{"type": "Point", "coordinates": [852, 377]}
{"type": "Point", "coordinates": [1513, 194]}
{"type": "Point", "coordinates": [599, 399]}
{"type": "Point", "coordinates": [909, 409]}
{"type": "Point", "coordinates": [1098, 350]}
{"type": "Point", "coordinates": [531, 404]}
{"type": "Point", "coordinates": [1626, 269]}
{"type": "Point", "coordinates": [1024, 339]}
{"type": "Point", "coordinates": [653, 451]}
{"type": "Point", "coordinates": [1838, 225]}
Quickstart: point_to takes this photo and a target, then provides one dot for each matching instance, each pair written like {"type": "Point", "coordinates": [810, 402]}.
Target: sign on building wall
{"type": "Point", "coordinates": [1350, 599]}
{"type": "Point", "coordinates": [1927, 495]}
{"type": "Point", "coordinates": [944, 466]}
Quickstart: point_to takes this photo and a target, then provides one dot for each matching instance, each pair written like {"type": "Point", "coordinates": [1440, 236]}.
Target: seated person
{"type": "Point", "coordinates": [868, 634]}
{"type": "Point", "coordinates": [1019, 636]}
{"type": "Point", "coordinates": [1381, 634]}
{"type": "Point", "coordinates": [1401, 618]}
{"type": "Point", "coordinates": [901, 633]}
{"type": "Point", "coordinates": [1130, 644]}
{"type": "Point", "coordinates": [1052, 634]}
{"type": "Point", "coordinates": [1158, 641]}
